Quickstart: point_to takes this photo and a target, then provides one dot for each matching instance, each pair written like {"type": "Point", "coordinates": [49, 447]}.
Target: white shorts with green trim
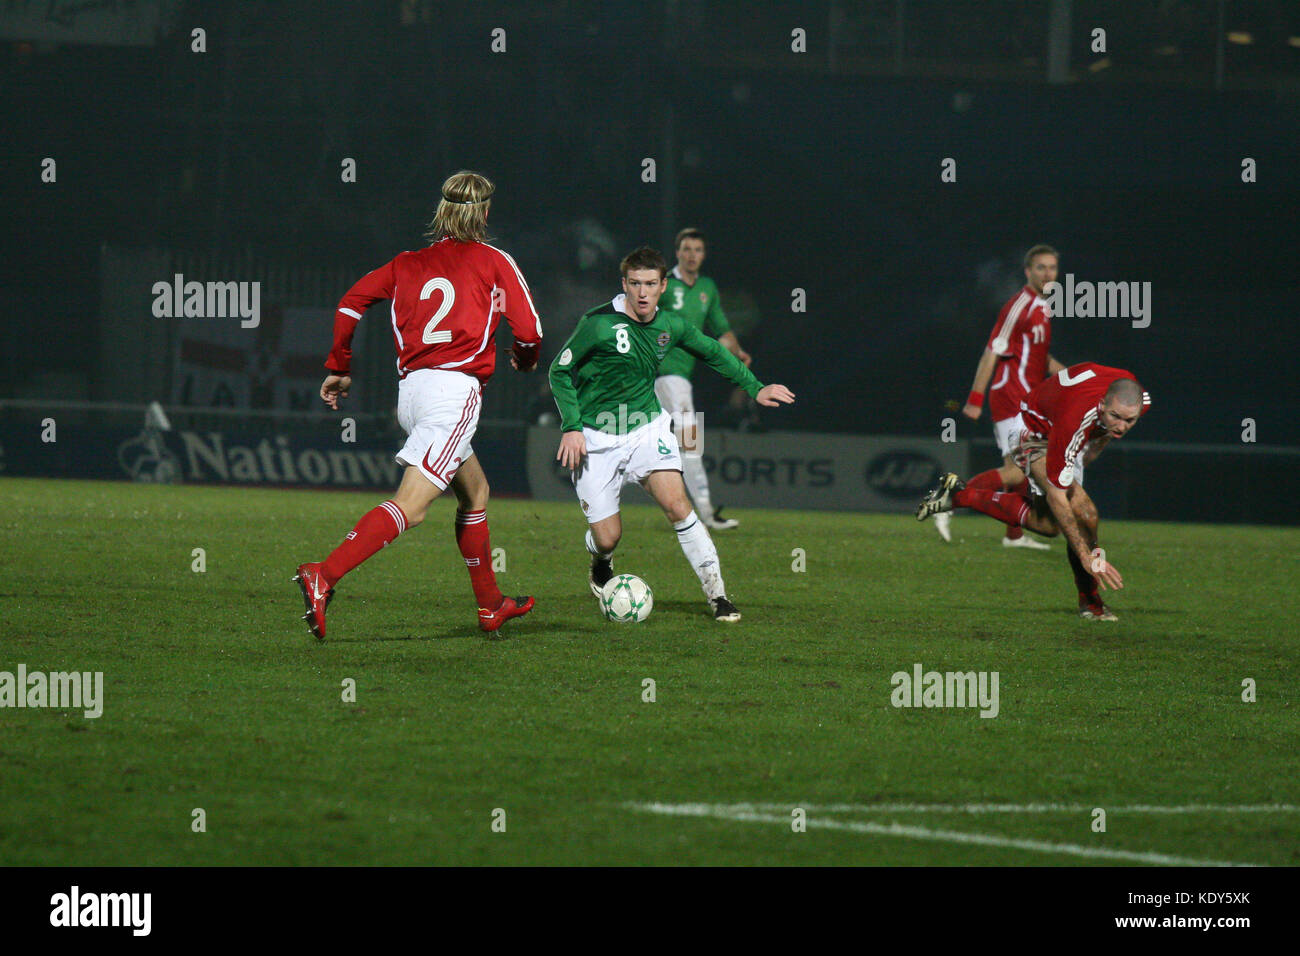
{"type": "Point", "coordinates": [614, 460]}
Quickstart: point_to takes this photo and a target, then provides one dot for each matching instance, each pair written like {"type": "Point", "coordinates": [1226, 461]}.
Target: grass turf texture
{"type": "Point", "coordinates": [217, 697]}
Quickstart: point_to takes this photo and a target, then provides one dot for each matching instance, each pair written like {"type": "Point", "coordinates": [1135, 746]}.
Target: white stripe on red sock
{"type": "Point", "coordinates": [399, 518]}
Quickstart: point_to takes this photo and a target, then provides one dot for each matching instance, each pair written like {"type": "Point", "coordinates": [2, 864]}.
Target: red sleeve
{"type": "Point", "coordinates": [369, 289]}
{"type": "Point", "coordinates": [517, 305]}
{"type": "Point", "coordinates": [1005, 327]}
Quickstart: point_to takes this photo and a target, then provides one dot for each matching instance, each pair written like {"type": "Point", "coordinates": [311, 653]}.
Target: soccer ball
{"type": "Point", "coordinates": [626, 599]}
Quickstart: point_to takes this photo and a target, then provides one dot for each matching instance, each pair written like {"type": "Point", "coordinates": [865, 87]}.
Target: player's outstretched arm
{"type": "Point", "coordinates": [773, 395]}
{"type": "Point", "coordinates": [714, 355]}
{"type": "Point", "coordinates": [983, 373]}
{"type": "Point", "coordinates": [1053, 365]}
{"type": "Point", "coordinates": [1107, 575]}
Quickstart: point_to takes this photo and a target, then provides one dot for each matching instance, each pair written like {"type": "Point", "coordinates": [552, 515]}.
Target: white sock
{"type": "Point", "coordinates": [591, 547]}
{"type": "Point", "coordinates": [700, 552]}
{"type": "Point", "coordinates": [697, 483]}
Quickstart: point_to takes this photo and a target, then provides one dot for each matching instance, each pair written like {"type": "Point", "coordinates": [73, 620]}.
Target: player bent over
{"type": "Point", "coordinates": [615, 431]}
{"type": "Point", "coordinates": [447, 301]}
{"type": "Point", "coordinates": [1077, 411]}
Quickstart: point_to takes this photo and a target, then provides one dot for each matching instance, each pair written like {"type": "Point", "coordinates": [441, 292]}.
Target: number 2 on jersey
{"type": "Point", "coordinates": [431, 336]}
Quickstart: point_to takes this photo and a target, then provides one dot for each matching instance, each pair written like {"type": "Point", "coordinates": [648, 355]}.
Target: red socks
{"type": "Point", "coordinates": [992, 481]}
{"type": "Point", "coordinates": [377, 527]}
{"type": "Point", "coordinates": [1004, 505]}
{"type": "Point", "coordinates": [472, 537]}
{"type": "Point", "coordinates": [986, 481]}
{"type": "Point", "coordinates": [383, 524]}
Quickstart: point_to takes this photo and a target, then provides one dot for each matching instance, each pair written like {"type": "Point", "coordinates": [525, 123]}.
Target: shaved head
{"type": "Point", "coordinates": [1126, 392]}
{"type": "Point", "coordinates": [1121, 408]}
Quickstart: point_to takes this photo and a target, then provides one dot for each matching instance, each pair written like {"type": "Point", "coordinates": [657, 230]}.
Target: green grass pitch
{"type": "Point", "coordinates": [216, 697]}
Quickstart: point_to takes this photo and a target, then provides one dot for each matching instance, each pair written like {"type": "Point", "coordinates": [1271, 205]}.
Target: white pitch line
{"type": "Point", "coordinates": [1002, 807]}
{"type": "Point", "coordinates": [740, 815]}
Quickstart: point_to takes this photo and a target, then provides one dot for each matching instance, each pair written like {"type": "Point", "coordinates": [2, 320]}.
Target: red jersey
{"type": "Point", "coordinates": [1063, 411]}
{"type": "Point", "coordinates": [447, 300]}
{"type": "Point", "coordinates": [1020, 339]}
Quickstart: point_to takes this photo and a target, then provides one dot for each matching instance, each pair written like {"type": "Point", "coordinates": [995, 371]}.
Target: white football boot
{"type": "Point", "coordinates": [714, 520]}
{"type": "Point", "coordinates": [1024, 541]}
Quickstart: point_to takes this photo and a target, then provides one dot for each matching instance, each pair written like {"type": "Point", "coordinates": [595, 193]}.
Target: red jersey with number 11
{"type": "Point", "coordinates": [1020, 339]}
{"type": "Point", "coordinates": [447, 300]}
{"type": "Point", "coordinates": [1063, 410]}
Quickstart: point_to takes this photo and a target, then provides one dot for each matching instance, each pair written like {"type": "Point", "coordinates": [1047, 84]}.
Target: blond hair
{"type": "Point", "coordinates": [463, 210]}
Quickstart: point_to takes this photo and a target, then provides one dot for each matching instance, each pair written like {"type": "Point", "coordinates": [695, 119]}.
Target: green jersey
{"type": "Point", "coordinates": [604, 376]}
{"type": "Point", "coordinates": [701, 307]}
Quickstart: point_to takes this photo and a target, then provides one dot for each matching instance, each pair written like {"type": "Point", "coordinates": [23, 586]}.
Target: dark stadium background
{"type": "Point", "coordinates": [817, 171]}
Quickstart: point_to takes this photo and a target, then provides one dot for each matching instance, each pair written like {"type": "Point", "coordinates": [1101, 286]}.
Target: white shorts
{"type": "Point", "coordinates": [438, 410]}
{"type": "Point", "coordinates": [614, 460]}
{"type": "Point", "coordinates": [674, 394]}
{"type": "Point", "coordinates": [1007, 432]}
